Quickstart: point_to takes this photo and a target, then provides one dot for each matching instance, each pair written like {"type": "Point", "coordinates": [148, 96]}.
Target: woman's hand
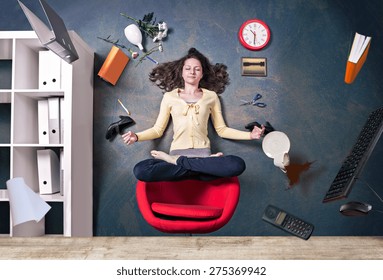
{"type": "Point", "coordinates": [129, 137]}
{"type": "Point", "coordinates": [257, 132]}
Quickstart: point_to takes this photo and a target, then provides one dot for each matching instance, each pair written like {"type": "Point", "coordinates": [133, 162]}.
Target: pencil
{"type": "Point", "coordinates": [127, 111]}
{"type": "Point", "coordinates": [152, 60]}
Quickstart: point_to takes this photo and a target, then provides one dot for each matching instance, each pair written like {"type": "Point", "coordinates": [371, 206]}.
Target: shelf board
{"type": "Point", "coordinates": [30, 145]}
{"type": "Point", "coordinates": [57, 197]}
{"type": "Point", "coordinates": [39, 93]}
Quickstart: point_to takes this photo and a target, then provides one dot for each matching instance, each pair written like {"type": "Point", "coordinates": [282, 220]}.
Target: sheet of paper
{"type": "Point", "coordinates": [25, 204]}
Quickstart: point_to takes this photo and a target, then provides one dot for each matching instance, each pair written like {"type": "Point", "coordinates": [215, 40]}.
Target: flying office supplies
{"type": "Point", "coordinates": [357, 158]}
{"type": "Point", "coordinates": [357, 57]}
{"type": "Point", "coordinates": [113, 65]}
{"type": "Point", "coordinates": [254, 101]}
{"type": "Point", "coordinates": [56, 38]}
{"type": "Point", "coordinates": [122, 105]}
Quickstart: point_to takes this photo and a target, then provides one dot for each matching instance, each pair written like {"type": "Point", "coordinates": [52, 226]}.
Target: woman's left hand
{"type": "Point", "coordinates": [257, 132]}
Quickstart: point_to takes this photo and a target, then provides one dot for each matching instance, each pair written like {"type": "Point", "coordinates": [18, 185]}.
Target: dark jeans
{"type": "Point", "coordinates": [207, 168]}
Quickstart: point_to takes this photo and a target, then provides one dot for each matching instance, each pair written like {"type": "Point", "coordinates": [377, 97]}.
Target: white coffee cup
{"type": "Point", "coordinates": [276, 145]}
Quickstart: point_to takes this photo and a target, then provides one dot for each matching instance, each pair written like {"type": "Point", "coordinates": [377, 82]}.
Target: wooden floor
{"type": "Point", "coordinates": [195, 248]}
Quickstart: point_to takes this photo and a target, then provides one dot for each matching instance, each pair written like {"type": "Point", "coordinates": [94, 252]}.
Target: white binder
{"type": "Point", "coordinates": [48, 165]}
{"type": "Point", "coordinates": [62, 171]}
{"type": "Point", "coordinates": [49, 71]}
{"type": "Point", "coordinates": [62, 116]}
{"type": "Point", "coordinates": [43, 121]}
{"type": "Point", "coordinates": [54, 120]}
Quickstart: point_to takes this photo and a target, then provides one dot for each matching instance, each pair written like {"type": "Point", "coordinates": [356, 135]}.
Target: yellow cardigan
{"type": "Point", "coordinates": [190, 121]}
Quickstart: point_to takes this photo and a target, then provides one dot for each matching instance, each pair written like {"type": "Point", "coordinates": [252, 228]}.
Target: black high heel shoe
{"type": "Point", "coordinates": [118, 127]}
{"type": "Point", "coordinates": [267, 125]}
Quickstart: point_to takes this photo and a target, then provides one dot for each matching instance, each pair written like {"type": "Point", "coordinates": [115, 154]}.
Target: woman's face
{"type": "Point", "coordinates": [192, 71]}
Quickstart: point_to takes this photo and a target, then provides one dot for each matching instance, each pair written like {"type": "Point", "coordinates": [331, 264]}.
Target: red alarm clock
{"type": "Point", "coordinates": [254, 34]}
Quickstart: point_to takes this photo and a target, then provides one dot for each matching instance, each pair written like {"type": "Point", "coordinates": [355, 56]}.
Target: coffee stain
{"type": "Point", "coordinates": [295, 170]}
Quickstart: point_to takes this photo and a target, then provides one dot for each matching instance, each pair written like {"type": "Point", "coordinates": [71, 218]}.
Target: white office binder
{"type": "Point", "coordinates": [62, 116]}
{"type": "Point", "coordinates": [62, 171]}
{"type": "Point", "coordinates": [48, 165]}
{"type": "Point", "coordinates": [49, 71]}
{"type": "Point", "coordinates": [54, 120]}
{"type": "Point", "coordinates": [43, 121]}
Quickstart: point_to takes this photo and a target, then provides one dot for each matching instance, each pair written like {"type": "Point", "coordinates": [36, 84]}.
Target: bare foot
{"type": "Point", "coordinates": [219, 154]}
{"type": "Point", "coordinates": [164, 156]}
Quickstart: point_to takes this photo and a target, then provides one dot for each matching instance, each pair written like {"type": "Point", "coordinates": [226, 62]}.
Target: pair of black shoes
{"type": "Point", "coordinates": [118, 127]}
{"type": "Point", "coordinates": [268, 127]}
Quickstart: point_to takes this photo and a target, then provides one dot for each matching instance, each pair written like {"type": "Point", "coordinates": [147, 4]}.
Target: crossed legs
{"type": "Point", "coordinates": [164, 167]}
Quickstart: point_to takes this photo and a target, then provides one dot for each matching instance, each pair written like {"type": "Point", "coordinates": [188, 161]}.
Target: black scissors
{"type": "Point", "coordinates": [254, 101]}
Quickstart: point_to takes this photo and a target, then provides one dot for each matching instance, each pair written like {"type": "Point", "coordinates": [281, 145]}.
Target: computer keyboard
{"type": "Point", "coordinates": [355, 161]}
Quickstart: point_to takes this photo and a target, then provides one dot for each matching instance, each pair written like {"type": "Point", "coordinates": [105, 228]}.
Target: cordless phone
{"type": "Point", "coordinates": [287, 222]}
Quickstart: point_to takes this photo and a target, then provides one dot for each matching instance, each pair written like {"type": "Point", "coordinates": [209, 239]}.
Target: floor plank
{"type": "Point", "coordinates": [197, 248]}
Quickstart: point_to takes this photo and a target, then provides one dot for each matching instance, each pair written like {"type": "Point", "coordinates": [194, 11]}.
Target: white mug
{"type": "Point", "coordinates": [281, 161]}
{"type": "Point", "coordinates": [276, 145]}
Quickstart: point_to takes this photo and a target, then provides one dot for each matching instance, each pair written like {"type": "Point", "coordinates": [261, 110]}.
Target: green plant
{"type": "Point", "coordinates": [147, 24]}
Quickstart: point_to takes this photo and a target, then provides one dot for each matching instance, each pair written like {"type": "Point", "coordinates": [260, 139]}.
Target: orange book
{"type": "Point", "coordinates": [357, 57]}
{"type": "Point", "coordinates": [114, 65]}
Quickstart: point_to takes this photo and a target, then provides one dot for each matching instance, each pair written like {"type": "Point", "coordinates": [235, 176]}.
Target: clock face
{"type": "Point", "coordinates": [254, 34]}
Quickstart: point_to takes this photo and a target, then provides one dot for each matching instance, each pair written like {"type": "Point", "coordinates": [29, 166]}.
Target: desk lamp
{"type": "Point", "coordinates": [134, 35]}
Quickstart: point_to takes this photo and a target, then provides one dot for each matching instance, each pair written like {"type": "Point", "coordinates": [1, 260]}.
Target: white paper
{"type": "Point", "coordinates": [25, 204]}
{"type": "Point", "coordinates": [359, 45]}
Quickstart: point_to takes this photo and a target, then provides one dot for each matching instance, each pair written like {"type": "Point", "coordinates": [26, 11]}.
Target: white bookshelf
{"type": "Point", "coordinates": [22, 49]}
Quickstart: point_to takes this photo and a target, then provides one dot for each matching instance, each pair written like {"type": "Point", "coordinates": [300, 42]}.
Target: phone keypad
{"type": "Point", "coordinates": [297, 226]}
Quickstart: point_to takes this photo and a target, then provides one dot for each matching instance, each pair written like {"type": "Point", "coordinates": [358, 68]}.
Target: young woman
{"type": "Point", "coordinates": [191, 86]}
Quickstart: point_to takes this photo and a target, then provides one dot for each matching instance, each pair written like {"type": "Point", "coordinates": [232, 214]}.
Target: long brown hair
{"type": "Point", "coordinates": [168, 76]}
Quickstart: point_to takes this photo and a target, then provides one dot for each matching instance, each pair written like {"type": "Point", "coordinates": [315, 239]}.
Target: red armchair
{"type": "Point", "coordinates": [188, 206]}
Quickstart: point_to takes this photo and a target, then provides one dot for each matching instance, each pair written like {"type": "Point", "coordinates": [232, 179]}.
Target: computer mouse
{"type": "Point", "coordinates": [355, 208]}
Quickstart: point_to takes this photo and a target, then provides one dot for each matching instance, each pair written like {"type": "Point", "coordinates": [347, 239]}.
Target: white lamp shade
{"type": "Point", "coordinates": [25, 204]}
{"type": "Point", "coordinates": [134, 35]}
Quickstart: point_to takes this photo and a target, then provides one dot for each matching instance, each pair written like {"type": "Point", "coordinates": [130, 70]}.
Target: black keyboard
{"type": "Point", "coordinates": [355, 161]}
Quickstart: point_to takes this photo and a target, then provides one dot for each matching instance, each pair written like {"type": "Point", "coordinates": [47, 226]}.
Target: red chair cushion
{"type": "Point", "coordinates": [187, 211]}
